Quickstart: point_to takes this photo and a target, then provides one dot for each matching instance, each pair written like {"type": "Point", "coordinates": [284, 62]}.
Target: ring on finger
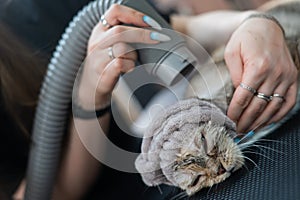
{"type": "Point", "coordinates": [278, 96]}
{"type": "Point", "coordinates": [104, 22]}
{"type": "Point", "coordinates": [264, 97]}
{"type": "Point", "coordinates": [111, 53]}
{"type": "Point", "coordinates": [250, 89]}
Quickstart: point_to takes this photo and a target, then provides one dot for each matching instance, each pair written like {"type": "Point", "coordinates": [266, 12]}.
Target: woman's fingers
{"type": "Point", "coordinates": [277, 108]}
{"type": "Point", "coordinates": [120, 14]}
{"type": "Point", "coordinates": [240, 100]}
{"type": "Point", "coordinates": [254, 103]}
{"type": "Point", "coordinates": [126, 34]}
{"type": "Point", "coordinates": [110, 75]}
{"type": "Point", "coordinates": [234, 62]}
{"type": "Point", "coordinates": [287, 104]}
{"type": "Point", "coordinates": [111, 28]}
{"type": "Point", "coordinates": [122, 50]}
{"type": "Point", "coordinates": [254, 110]}
{"type": "Point", "coordinates": [273, 107]}
{"type": "Point", "coordinates": [108, 53]}
{"type": "Point", "coordinates": [118, 50]}
{"type": "Point", "coordinates": [259, 103]}
{"type": "Point", "coordinates": [260, 66]}
{"type": "Point", "coordinates": [268, 104]}
{"type": "Point", "coordinates": [101, 72]}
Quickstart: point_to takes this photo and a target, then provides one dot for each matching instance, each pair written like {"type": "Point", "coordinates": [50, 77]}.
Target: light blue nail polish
{"type": "Point", "coordinates": [151, 22]}
{"type": "Point", "coordinates": [236, 140]}
{"type": "Point", "coordinates": [245, 138]}
{"type": "Point", "coordinates": [271, 125]}
{"type": "Point", "coordinates": [159, 37]}
{"type": "Point", "coordinates": [249, 134]}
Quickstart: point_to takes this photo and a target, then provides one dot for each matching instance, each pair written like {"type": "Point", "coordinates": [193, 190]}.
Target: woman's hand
{"type": "Point", "coordinates": [108, 56]}
{"type": "Point", "coordinates": [109, 52]}
{"type": "Point", "coordinates": [258, 58]}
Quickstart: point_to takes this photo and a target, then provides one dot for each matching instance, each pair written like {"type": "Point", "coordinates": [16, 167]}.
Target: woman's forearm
{"type": "Point", "coordinates": [210, 29]}
{"type": "Point", "coordinates": [79, 169]}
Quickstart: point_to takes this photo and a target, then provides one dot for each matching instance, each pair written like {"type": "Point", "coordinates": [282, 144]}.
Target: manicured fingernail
{"type": "Point", "coordinates": [151, 22]}
{"type": "Point", "coordinates": [271, 125]}
{"type": "Point", "coordinates": [237, 140]}
{"type": "Point", "coordinates": [249, 134]}
{"type": "Point", "coordinates": [159, 37]}
{"type": "Point", "coordinates": [244, 138]}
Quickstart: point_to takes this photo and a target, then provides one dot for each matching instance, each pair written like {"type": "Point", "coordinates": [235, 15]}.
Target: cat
{"type": "Point", "coordinates": [195, 154]}
{"type": "Point", "coordinates": [191, 145]}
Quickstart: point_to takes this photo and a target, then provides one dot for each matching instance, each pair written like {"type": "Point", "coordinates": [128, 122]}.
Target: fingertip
{"type": "Point", "coordinates": [151, 22]}
{"type": "Point", "coordinates": [159, 37]}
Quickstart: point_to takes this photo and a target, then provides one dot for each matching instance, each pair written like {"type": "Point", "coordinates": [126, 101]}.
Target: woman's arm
{"type": "Point", "coordinates": [256, 55]}
{"type": "Point", "coordinates": [109, 55]}
{"type": "Point", "coordinates": [79, 168]}
{"type": "Point", "coordinates": [210, 29]}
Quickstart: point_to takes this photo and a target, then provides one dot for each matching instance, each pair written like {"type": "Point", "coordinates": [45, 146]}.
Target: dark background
{"type": "Point", "coordinates": [276, 174]}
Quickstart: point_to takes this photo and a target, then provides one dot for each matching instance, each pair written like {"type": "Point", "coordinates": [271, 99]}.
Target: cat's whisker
{"type": "Point", "coordinates": [260, 147]}
{"type": "Point", "coordinates": [257, 153]}
{"type": "Point", "coordinates": [270, 140]}
{"type": "Point", "coordinates": [159, 189]}
{"type": "Point", "coordinates": [245, 166]}
{"type": "Point", "coordinates": [184, 195]}
{"type": "Point", "coordinates": [159, 176]}
{"type": "Point", "coordinates": [246, 145]}
{"type": "Point", "coordinates": [240, 161]}
{"type": "Point", "coordinates": [163, 176]}
{"type": "Point", "coordinates": [247, 158]}
{"type": "Point", "coordinates": [148, 187]}
{"type": "Point", "coordinates": [160, 179]}
{"type": "Point", "coordinates": [268, 148]}
{"type": "Point", "coordinates": [241, 146]}
{"type": "Point", "coordinates": [264, 143]}
{"type": "Point", "coordinates": [207, 194]}
{"type": "Point", "coordinates": [179, 196]}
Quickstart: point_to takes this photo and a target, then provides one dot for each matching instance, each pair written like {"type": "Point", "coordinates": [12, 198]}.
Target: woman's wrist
{"type": "Point", "coordinates": [79, 112]}
{"type": "Point", "coordinates": [90, 112]}
{"type": "Point", "coordinates": [265, 16]}
{"type": "Point", "coordinates": [87, 104]}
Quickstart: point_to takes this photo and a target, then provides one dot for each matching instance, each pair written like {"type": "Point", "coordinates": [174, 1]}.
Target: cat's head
{"type": "Point", "coordinates": [210, 158]}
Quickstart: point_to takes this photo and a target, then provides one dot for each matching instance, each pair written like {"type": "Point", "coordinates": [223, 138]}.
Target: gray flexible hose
{"type": "Point", "coordinates": [54, 101]}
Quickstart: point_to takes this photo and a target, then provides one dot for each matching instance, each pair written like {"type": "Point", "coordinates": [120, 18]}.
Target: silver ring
{"type": "Point", "coordinates": [104, 22]}
{"type": "Point", "coordinates": [250, 89]}
{"type": "Point", "coordinates": [278, 95]}
{"type": "Point", "coordinates": [111, 53]}
{"type": "Point", "coordinates": [264, 97]}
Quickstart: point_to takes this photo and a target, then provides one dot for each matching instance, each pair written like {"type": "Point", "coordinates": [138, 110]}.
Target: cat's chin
{"type": "Point", "coordinates": [200, 182]}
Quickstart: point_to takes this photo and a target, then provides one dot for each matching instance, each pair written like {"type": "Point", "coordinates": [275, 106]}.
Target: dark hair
{"type": "Point", "coordinates": [20, 78]}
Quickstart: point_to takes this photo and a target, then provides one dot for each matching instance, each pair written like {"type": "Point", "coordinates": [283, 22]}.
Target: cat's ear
{"type": "Point", "coordinates": [204, 141]}
{"type": "Point", "coordinates": [200, 141]}
{"type": "Point", "coordinates": [210, 136]}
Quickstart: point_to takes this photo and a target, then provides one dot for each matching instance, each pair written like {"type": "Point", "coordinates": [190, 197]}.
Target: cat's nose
{"type": "Point", "coordinates": [221, 170]}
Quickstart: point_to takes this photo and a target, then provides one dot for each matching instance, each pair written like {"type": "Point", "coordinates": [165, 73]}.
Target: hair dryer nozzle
{"type": "Point", "coordinates": [170, 61]}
